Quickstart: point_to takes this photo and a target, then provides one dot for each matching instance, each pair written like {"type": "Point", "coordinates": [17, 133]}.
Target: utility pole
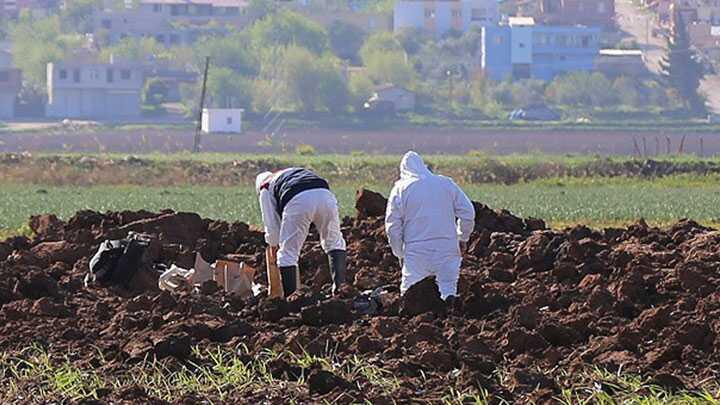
{"type": "Point", "coordinates": [198, 129]}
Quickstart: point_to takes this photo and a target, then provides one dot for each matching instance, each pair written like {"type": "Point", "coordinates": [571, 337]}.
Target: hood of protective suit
{"type": "Point", "coordinates": [261, 179]}
{"type": "Point", "coordinates": [412, 166]}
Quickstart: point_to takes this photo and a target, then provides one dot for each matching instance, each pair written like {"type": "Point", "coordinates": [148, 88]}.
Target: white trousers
{"type": "Point", "coordinates": [439, 258]}
{"type": "Point", "coordinates": [319, 207]}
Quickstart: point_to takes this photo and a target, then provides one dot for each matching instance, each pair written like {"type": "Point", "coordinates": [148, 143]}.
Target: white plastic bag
{"type": "Point", "coordinates": [175, 277]}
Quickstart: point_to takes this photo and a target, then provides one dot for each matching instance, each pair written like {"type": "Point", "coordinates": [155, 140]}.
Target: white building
{"type": "Point", "coordinates": [437, 17]}
{"type": "Point", "coordinates": [222, 120]}
{"type": "Point", "coordinates": [94, 90]}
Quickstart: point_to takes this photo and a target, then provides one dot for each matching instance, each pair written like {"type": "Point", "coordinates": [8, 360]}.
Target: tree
{"type": "Point", "coordinates": [581, 88]}
{"type": "Point", "coordinates": [380, 42]}
{"type": "Point", "coordinates": [346, 40]}
{"type": "Point", "coordinates": [289, 28]}
{"type": "Point", "coordinates": [134, 49]}
{"type": "Point", "coordinates": [36, 43]}
{"type": "Point", "coordinates": [361, 88]}
{"type": "Point", "coordinates": [333, 90]}
{"type": "Point", "coordinates": [77, 15]}
{"type": "Point", "coordinates": [228, 89]}
{"type": "Point", "coordinates": [259, 9]}
{"type": "Point", "coordinates": [680, 68]}
{"type": "Point", "coordinates": [155, 92]}
{"type": "Point", "coordinates": [482, 91]}
{"type": "Point", "coordinates": [412, 39]}
{"type": "Point", "coordinates": [313, 83]}
{"type": "Point", "coordinates": [389, 67]}
{"type": "Point", "coordinates": [628, 91]}
{"type": "Point", "coordinates": [230, 51]}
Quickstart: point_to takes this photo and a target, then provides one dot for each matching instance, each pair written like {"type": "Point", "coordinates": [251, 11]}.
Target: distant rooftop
{"type": "Point", "coordinates": [521, 21]}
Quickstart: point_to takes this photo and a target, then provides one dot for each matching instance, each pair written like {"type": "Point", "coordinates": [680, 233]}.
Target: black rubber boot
{"type": "Point", "coordinates": [338, 268]}
{"type": "Point", "coordinates": [289, 279]}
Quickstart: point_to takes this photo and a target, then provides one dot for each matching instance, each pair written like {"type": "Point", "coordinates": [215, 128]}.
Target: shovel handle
{"type": "Point", "coordinates": [275, 289]}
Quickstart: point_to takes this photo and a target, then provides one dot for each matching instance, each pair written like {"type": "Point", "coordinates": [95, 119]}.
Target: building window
{"type": "Point", "coordinates": [521, 45]}
{"type": "Point", "coordinates": [157, 8]}
{"type": "Point", "coordinates": [541, 39]}
{"type": "Point", "coordinates": [110, 75]}
{"type": "Point", "coordinates": [62, 74]}
{"type": "Point", "coordinates": [94, 74]}
{"type": "Point", "coordinates": [76, 75]}
{"type": "Point", "coordinates": [585, 41]}
{"type": "Point", "coordinates": [429, 13]}
{"type": "Point", "coordinates": [107, 24]}
{"type": "Point", "coordinates": [457, 13]}
{"type": "Point", "coordinates": [561, 40]}
{"type": "Point", "coordinates": [229, 120]}
{"type": "Point", "coordinates": [125, 74]}
{"type": "Point", "coordinates": [4, 76]}
{"type": "Point", "coordinates": [478, 14]}
{"type": "Point", "coordinates": [232, 10]}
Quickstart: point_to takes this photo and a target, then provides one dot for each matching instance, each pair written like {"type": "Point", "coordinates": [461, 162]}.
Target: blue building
{"type": "Point", "coordinates": [522, 50]}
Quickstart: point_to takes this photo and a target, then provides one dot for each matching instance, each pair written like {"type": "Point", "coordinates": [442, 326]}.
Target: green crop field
{"type": "Point", "coordinates": [594, 201]}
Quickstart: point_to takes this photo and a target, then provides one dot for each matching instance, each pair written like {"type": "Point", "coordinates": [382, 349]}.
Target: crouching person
{"type": "Point", "coordinates": [428, 222]}
{"type": "Point", "coordinates": [291, 200]}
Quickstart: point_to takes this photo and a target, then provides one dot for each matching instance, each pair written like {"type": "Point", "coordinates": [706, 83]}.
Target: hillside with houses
{"type": "Point", "coordinates": [352, 60]}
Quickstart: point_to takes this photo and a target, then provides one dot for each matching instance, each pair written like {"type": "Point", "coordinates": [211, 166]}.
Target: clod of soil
{"type": "Point", "coordinates": [421, 297]}
{"type": "Point", "coordinates": [370, 204]}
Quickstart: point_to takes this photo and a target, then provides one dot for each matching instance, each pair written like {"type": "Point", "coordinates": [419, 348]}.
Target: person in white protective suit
{"type": "Point", "coordinates": [291, 200]}
{"type": "Point", "coordinates": [428, 222]}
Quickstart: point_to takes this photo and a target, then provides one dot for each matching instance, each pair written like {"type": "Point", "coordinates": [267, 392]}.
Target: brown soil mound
{"type": "Point", "coordinates": [532, 301]}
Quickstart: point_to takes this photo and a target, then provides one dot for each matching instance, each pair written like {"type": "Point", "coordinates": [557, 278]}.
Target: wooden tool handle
{"type": "Point", "coordinates": [275, 289]}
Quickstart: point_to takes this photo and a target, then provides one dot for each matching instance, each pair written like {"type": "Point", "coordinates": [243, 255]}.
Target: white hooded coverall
{"type": "Point", "coordinates": [317, 206]}
{"type": "Point", "coordinates": [427, 216]}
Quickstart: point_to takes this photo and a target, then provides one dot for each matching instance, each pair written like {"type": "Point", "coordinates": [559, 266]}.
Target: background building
{"type": "Point", "coordinates": [94, 91]}
{"type": "Point", "coordinates": [523, 50]}
{"type": "Point", "coordinates": [10, 82]}
{"type": "Point", "coordinates": [440, 16]}
{"type": "Point", "coordinates": [170, 22]}
{"type": "Point", "coordinates": [576, 12]}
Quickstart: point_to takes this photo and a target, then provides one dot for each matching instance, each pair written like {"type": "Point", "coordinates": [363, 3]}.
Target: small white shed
{"type": "Point", "coordinates": [222, 120]}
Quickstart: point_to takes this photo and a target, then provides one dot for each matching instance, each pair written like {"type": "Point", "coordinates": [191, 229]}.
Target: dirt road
{"type": "Point", "coordinates": [391, 142]}
{"type": "Point", "coordinates": [639, 25]}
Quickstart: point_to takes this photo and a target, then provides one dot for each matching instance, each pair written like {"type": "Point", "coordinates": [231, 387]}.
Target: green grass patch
{"type": "Point", "coordinates": [218, 375]}
{"type": "Point", "coordinates": [592, 201]}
